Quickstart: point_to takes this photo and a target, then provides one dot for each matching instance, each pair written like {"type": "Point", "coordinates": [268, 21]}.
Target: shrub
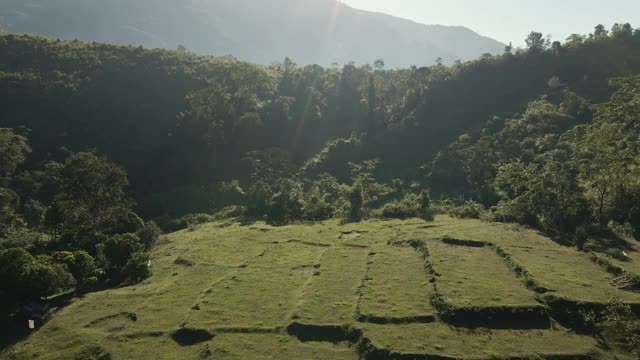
{"type": "Point", "coordinates": [33, 212]}
{"type": "Point", "coordinates": [118, 251]}
{"type": "Point", "coordinates": [197, 219]}
{"type": "Point", "coordinates": [15, 267]}
{"type": "Point", "coordinates": [149, 235]}
{"type": "Point", "coordinates": [259, 195]}
{"type": "Point", "coordinates": [355, 204]}
{"type": "Point", "coordinates": [619, 322]}
{"type": "Point", "coordinates": [334, 158]}
{"type": "Point", "coordinates": [278, 202]}
{"type": "Point", "coordinates": [277, 211]}
{"type": "Point", "coordinates": [469, 210]}
{"type": "Point", "coordinates": [9, 219]}
{"type": "Point", "coordinates": [406, 208]}
{"type": "Point", "coordinates": [287, 204]}
{"type": "Point", "coordinates": [424, 202]}
{"type": "Point", "coordinates": [230, 212]}
{"type": "Point", "coordinates": [473, 210]}
{"type": "Point", "coordinates": [318, 208]}
{"type": "Point", "coordinates": [326, 199]}
{"type": "Point", "coordinates": [398, 210]}
{"type": "Point", "coordinates": [231, 193]}
{"type": "Point", "coordinates": [32, 241]}
{"type": "Point", "coordinates": [137, 268]}
{"type": "Point", "coordinates": [84, 269]}
{"type": "Point", "coordinates": [169, 225]}
{"type": "Point", "coordinates": [122, 221]}
{"type": "Point", "coordinates": [49, 278]}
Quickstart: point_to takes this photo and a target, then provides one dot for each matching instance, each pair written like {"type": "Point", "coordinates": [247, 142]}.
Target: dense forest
{"type": "Point", "coordinates": [99, 143]}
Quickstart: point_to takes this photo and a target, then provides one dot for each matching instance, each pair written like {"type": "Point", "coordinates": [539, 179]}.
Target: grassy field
{"type": "Point", "coordinates": [476, 277]}
{"type": "Point", "coordinates": [356, 291]}
{"type": "Point", "coordinates": [248, 298]}
{"type": "Point", "coordinates": [330, 297]}
{"type": "Point", "coordinates": [569, 275]}
{"type": "Point", "coordinates": [441, 340]}
{"type": "Point", "coordinates": [397, 285]}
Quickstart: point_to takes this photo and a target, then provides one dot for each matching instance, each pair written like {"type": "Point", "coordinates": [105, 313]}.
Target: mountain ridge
{"type": "Point", "coordinates": [308, 31]}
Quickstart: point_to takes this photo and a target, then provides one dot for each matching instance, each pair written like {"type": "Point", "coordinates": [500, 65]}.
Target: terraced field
{"type": "Point", "coordinates": [446, 289]}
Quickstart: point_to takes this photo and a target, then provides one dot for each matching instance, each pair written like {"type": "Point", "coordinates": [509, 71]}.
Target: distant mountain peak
{"type": "Point", "coordinates": [308, 31]}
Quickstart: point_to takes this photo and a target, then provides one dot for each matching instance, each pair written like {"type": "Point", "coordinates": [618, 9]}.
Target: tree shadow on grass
{"type": "Point", "coordinates": [12, 331]}
{"type": "Point", "coordinates": [188, 337]}
{"type": "Point", "coordinates": [603, 241]}
{"type": "Point", "coordinates": [14, 322]}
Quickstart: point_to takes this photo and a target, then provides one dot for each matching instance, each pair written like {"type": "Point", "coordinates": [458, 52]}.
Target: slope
{"type": "Point", "coordinates": [232, 291]}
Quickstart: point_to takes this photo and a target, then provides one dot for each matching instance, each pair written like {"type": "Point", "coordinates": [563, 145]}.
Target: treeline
{"type": "Point", "coordinates": [180, 124]}
{"type": "Point", "coordinates": [67, 225]}
{"type": "Point", "coordinates": [564, 165]}
{"type": "Point", "coordinates": [284, 143]}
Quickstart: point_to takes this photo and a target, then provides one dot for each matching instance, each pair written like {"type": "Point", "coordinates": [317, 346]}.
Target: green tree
{"type": "Point", "coordinates": [14, 150]}
{"type": "Point", "coordinates": [9, 217]}
{"type": "Point", "coordinates": [424, 202]}
{"type": "Point", "coordinates": [508, 49]}
{"type": "Point", "coordinates": [90, 188]}
{"type": "Point", "coordinates": [607, 164]}
{"type": "Point", "coordinates": [137, 267]}
{"type": "Point", "coordinates": [622, 30]}
{"type": "Point", "coordinates": [81, 265]}
{"type": "Point", "coordinates": [16, 265]}
{"type": "Point", "coordinates": [355, 203]}
{"type": "Point", "coordinates": [600, 31]}
{"type": "Point", "coordinates": [371, 115]}
{"type": "Point", "coordinates": [574, 40]}
{"type": "Point", "coordinates": [620, 323]}
{"type": "Point", "coordinates": [149, 235]}
{"type": "Point", "coordinates": [536, 42]}
{"type": "Point", "coordinates": [124, 254]}
{"type": "Point", "coordinates": [48, 277]}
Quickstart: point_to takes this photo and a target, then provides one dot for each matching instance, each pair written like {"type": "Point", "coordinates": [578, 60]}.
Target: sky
{"type": "Point", "coordinates": [512, 20]}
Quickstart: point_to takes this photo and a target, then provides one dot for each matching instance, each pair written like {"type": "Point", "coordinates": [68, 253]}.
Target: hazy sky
{"type": "Point", "coordinates": [511, 20]}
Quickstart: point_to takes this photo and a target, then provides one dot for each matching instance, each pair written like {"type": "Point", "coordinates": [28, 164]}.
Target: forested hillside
{"type": "Point", "coordinates": [99, 143]}
{"type": "Point", "coordinates": [309, 31]}
{"type": "Point", "coordinates": [181, 124]}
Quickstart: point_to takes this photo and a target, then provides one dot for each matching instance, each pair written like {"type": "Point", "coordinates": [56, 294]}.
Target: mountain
{"type": "Point", "coordinates": [308, 31]}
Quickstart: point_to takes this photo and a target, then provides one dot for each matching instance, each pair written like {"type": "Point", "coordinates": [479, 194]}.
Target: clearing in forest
{"type": "Point", "coordinates": [373, 290]}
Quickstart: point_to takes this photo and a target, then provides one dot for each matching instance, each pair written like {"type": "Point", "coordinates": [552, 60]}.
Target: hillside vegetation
{"type": "Point", "coordinates": [375, 290]}
{"type": "Point", "coordinates": [103, 148]}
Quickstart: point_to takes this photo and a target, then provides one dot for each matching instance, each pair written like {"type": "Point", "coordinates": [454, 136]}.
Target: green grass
{"type": "Point", "coordinates": [263, 294]}
{"type": "Point", "coordinates": [268, 346]}
{"type": "Point", "coordinates": [630, 263]}
{"type": "Point", "coordinates": [250, 282]}
{"type": "Point", "coordinates": [569, 274]}
{"type": "Point", "coordinates": [397, 285]}
{"type": "Point", "coordinates": [442, 340]}
{"type": "Point", "coordinates": [215, 245]}
{"type": "Point", "coordinates": [331, 295]}
{"type": "Point", "coordinates": [476, 277]}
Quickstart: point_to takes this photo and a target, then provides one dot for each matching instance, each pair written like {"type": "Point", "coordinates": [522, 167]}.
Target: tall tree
{"type": "Point", "coordinates": [90, 188]}
{"type": "Point", "coordinates": [371, 115]}
{"type": "Point", "coordinates": [14, 149]}
{"type": "Point", "coordinates": [536, 42]}
{"type": "Point", "coordinates": [600, 30]}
